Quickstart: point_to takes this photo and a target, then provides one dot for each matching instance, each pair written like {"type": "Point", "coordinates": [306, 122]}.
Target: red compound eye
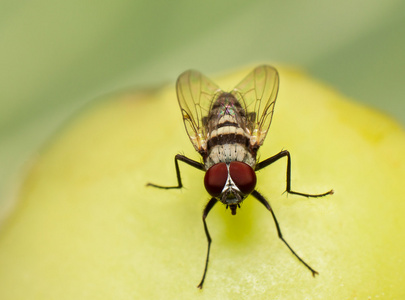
{"type": "Point", "coordinates": [215, 179]}
{"type": "Point", "coordinates": [243, 175]}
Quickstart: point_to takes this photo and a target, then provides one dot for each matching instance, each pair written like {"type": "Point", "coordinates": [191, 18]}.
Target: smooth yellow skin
{"type": "Point", "coordinates": [87, 227]}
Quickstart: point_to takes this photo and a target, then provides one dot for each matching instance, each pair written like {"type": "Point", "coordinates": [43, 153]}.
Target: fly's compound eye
{"type": "Point", "coordinates": [215, 179]}
{"type": "Point", "coordinates": [243, 176]}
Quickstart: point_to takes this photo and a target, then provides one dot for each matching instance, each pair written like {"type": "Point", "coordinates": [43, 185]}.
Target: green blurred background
{"type": "Point", "coordinates": [56, 56]}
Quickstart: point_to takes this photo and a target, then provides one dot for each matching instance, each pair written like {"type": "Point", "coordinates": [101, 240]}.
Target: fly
{"type": "Point", "coordinates": [227, 129]}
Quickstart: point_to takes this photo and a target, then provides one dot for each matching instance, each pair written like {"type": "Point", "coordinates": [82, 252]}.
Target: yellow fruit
{"type": "Point", "coordinates": [87, 227]}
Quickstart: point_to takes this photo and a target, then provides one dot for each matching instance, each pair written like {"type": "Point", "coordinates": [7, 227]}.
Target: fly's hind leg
{"type": "Point", "coordinates": [186, 160]}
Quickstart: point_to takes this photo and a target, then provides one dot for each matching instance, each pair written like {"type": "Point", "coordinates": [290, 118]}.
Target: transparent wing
{"type": "Point", "coordinates": [258, 93]}
{"type": "Point", "coordinates": [195, 92]}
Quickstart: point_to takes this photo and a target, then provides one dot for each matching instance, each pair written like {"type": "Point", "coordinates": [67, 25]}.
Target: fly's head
{"type": "Point", "coordinates": [230, 183]}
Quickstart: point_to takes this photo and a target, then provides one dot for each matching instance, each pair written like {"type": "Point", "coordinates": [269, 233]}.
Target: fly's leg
{"type": "Point", "coordinates": [186, 160]}
{"type": "Point", "coordinates": [207, 209]}
{"type": "Point", "coordinates": [276, 157]}
{"type": "Point", "coordinates": [262, 200]}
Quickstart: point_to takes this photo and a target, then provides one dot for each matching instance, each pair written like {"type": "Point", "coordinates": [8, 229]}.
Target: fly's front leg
{"type": "Point", "coordinates": [207, 209]}
{"type": "Point", "coordinates": [263, 201]}
{"type": "Point", "coordinates": [276, 157]}
{"type": "Point", "coordinates": [186, 160]}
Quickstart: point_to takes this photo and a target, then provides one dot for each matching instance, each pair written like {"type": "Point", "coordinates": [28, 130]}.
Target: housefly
{"type": "Point", "coordinates": [227, 130]}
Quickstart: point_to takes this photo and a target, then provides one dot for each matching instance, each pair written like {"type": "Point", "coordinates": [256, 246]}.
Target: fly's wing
{"type": "Point", "coordinates": [195, 93]}
{"type": "Point", "coordinates": [257, 93]}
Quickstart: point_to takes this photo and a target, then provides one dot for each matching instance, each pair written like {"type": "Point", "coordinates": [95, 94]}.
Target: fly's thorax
{"type": "Point", "coordinates": [229, 162]}
{"type": "Point", "coordinates": [228, 153]}
{"type": "Point", "coordinates": [228, 142]}
{"type": "Point", "coordinates": [227, 137]}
